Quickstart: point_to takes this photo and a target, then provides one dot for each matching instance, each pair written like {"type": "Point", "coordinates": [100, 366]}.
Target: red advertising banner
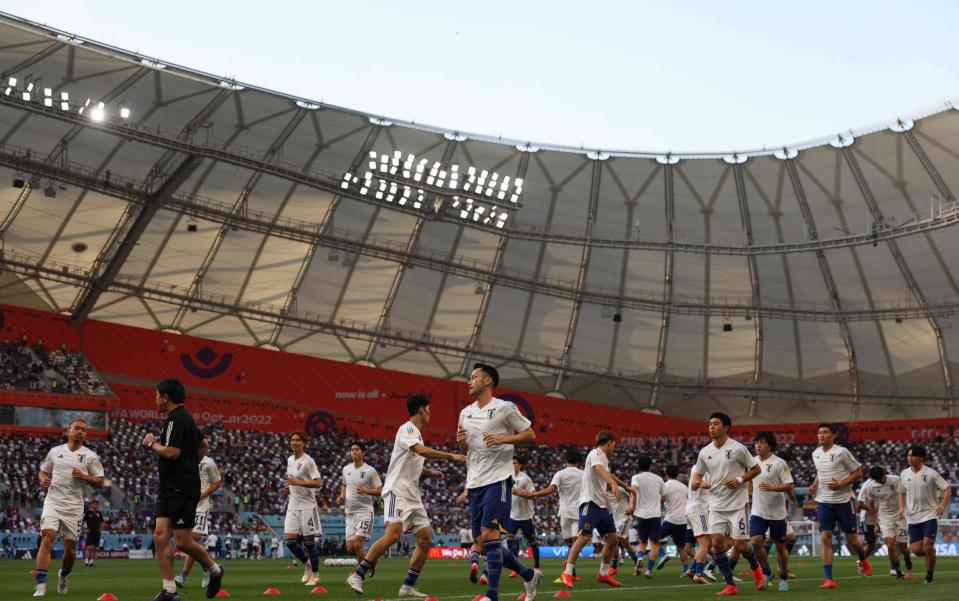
{"type": "Point", "coordinates": [251, 388]}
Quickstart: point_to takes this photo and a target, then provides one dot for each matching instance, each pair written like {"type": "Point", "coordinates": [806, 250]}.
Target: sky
{"type": "Point", "coordinates": [694, 76]}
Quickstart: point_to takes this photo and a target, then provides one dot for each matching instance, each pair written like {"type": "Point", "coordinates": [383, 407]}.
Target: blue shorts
{"type": "Point", "coordinates": [489, 506]}
{"type": "Point", "coordinates": [525, 525]}
{"type": "Point", "coordinates": [759, 525]}
{"type": "Point", "coordinates": [675, 531]}
{"type": "Point", "coordinates": [690, 537]}
{"type": "Point", "coordinates": [592, 516]}
{"type": "Point", "coordinates": [922, 530]}
{"type": "Point", "coordinates": [830, 514]}
{"type": "Point", "coordinates": [648, 528]}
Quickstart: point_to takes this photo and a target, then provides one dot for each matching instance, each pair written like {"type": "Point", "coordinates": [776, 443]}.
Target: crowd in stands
{"type": "Point", "coordinates": [19, 368]}
{"type": "Point", "coordinates": [32, 367]}
{"type": "Point", "coordinates": [253, 466]}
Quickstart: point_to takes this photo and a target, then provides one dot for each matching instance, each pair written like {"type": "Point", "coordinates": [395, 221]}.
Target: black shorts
{"type": "Point", "coordinates": [93, 539]}
{"type": "Point", "coordinates": [466, 545]}
{"type": "Point", "coordinates": [180, 510]}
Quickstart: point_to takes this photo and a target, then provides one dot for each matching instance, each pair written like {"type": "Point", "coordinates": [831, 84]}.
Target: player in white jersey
{"type": "Point", "coordinates": [836, 471]}
{"type": "Point", "coordinates": [867, 527]}
{"type": "Point", "coordinates": [567, 483]}
{"type": "Point", "coordinates": [488, 429]}
{"type": "Point", "coordinates": [210, 482]}
{"type": "Point", "coordinates": [404, 511]}
{"type": "Point", "coordinates": [594, 510]}
{"type": "Point", "coordinates": [697, 523]}
{"type": "Point", "coordinates": [674, 520]}
{"type": "Point", "coordinates": [621, 506]}
{"type": "Point", "coordinates": [302, 524]}
{"type": "Point", "coordinates": [650, 494]}
{"type": "Point", "coordinates": [918, 503]}
{"type": "Point", "coordinates": [65, 472]}
{"type": "Point", "coordinates": [769, 491]}
{"type": "Point", "coordinates": [521, 514]}
{"type": "Point", "coordinates": [729, 465]}
{"type": "Point", "coordinates": [361, 484]}
{"type": "Point", "coordinates": [882, 503]}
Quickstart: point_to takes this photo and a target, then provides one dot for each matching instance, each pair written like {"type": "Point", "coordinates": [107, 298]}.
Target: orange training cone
{"type": "Point", "coordinates": [107, 597]}
{"type": "Point", "coordinates": [522, 597]}
{"type": "Point", "coordinates": [432, 598]}
{"type": "Point", "coordinates": [562, 594]}
{"type": "Point", "coordinates": [478, 597]}
{"type": "Point", "coordinates": [271, 591]}
{"type": "Point", "coordinates": [318, 589]}
{"type": "Point", "coordinates": [223, 593]}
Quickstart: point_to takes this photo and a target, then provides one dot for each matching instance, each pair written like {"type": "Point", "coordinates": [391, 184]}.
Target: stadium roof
{"type": "Point", "coordinates": [813, 278]}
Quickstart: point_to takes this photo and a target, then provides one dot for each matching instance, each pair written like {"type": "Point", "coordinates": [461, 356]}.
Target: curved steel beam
{"type": "Point", "coordinates": [485, 273]}
{"type": "Point", "coordinates": [314, 238]}
{"type": "Point", "coordinates": [384, 317]}
{"type": "Point", "coordinates": [33, 267]}
{"type": "Point", "coordinates": [667, 291]}
{"type": "Point", "coordinates": [827, 277]}
{"type": "Point", "coordinates": [238, 207]}
{"type": "Point", "coordinates": [904, 268]}
{"type": "Point", "coordinates": [594, 182]}
{"type": "Point", "coordinates": [330, 182]}
{"type": "Point", "coordinates": [753, 281]}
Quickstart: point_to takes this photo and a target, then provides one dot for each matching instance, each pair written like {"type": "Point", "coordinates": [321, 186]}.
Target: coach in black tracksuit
{"type": "Point", "coordinates": [178, 450]}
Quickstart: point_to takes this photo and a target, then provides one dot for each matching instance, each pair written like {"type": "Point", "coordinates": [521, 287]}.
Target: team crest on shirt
{"type": "Point", "coordinates": [729, 453]}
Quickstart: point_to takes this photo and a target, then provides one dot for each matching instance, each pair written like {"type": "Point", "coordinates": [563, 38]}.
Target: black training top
{"type": "Point", "coordinates": [93, 519]}
{"type": "Point", "coordinates": [180, 476]}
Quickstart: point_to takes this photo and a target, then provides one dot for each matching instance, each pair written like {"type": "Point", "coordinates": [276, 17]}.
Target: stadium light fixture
{"type": "Point", "coordinates": [124, 112]}
{"type": "Point", "coordinates": [417, 183]}
{"type": "Point", "coordinates": [98, 114]}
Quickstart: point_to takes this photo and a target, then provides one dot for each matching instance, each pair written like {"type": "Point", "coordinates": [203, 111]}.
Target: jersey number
{"type": "Point", "coordinates": [742, 523]}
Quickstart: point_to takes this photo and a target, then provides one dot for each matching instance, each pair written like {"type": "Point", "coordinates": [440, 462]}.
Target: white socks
{"type": "Point", "coordinates": [569, 568]}
{"type": "Point", "coordinates": [604, 569]}
{"type": "Point", "coordinates": [169, 586]}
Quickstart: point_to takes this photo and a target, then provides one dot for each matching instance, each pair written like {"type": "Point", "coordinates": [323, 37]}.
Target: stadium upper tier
{"type": "Point", "coordinates": [775, 283]}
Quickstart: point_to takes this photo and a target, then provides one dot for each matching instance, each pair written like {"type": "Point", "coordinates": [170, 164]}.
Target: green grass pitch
{"type": "Point", "coordinates": [139, 580]}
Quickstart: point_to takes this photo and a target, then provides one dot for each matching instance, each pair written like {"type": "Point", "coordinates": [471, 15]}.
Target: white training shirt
{"type": "Point", "coordinates": [885, 496]}
{"type": "Point", "coordinates": [406, 467]}
{"type": "Point", "coordinates": [65, 494]}
{"type": "Point", "coordinates": [731, 460]}
{"type": "Point", "coordinates": [489, 465]}
{"type": "Point", "coordinates": [303, 468]}
{"type": "Point", "coordinates": [521, 508]}
{"type": "Point", "coordinates": [594, 486]}
{"type": "Point", "coordinates": [466, 536]}
{"type": "Point", "coordinates": [920, 490]}
{"type": "Point", "coordinates": [697, 501]}
{"type": "Point", "coordinates": [835, 464]}
{"type": "Point", "coordinates": [865, 517]}
{"type": "Point", "coordinates": [768, 504]}
{"type": "Point", "coordinates": [568, 482]}
{"type": "Point", "coordinates": [675, 503]}
{"type": "Point", "coordinates": [650, 489]}
{"type": "Point", "coordinates": [353, 476]}
{"type": "Point", "coordinates": [617, 505]}
{"type": "Point", "coordinates": [211, 540]}
{"type": "Point", "coordinates": [208, 475]}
